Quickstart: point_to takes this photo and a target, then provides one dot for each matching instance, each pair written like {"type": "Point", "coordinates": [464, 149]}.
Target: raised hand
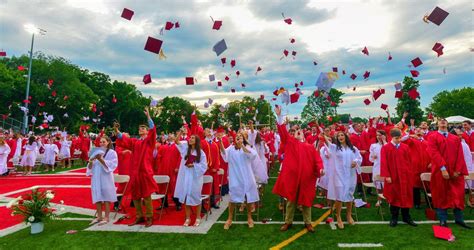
{"type": "Point", "coordinates": [147, 112]}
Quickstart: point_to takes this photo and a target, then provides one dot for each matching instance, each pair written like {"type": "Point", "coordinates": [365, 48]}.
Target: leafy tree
{"type": "Point", "coordinates": [454, 102]}
{"type": "Point", "coordinates": [318, 107]}
{"type": "Point", "coordinates": [406, 103]}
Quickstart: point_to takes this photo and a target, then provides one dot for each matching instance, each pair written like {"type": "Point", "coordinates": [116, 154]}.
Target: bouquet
{"type": "Point", "coordinates": [34, 207]}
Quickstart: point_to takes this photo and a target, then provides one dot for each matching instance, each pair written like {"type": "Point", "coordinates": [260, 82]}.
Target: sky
{"type": "Point", "coordinates": [92, 35]}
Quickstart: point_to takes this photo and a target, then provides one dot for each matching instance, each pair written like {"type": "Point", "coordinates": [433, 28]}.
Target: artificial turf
{"type": "Point", "coordinates": [241, 237]}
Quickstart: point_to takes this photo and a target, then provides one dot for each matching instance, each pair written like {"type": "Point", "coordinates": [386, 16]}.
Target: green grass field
{"type": "Point", "coordinates": [263, 236]}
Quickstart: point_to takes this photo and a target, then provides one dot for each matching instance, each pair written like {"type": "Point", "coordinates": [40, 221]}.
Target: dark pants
{"type": "Point", "coordinates": [394, 210]}
{"type": "Point", "coordinates": [416, 196]}
{"type": "Point", "coordinates": [443, 215]}
{"type": "Point", "coordinates": [225, 189]}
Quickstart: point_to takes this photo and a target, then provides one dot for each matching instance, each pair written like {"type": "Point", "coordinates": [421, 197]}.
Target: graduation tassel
{"type": "Point", "coordinates": [162, 55]}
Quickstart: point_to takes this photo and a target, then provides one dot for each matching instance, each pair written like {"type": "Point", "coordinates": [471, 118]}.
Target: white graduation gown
{"type": "Point", "coordinates": [342, 177]}
{"type": "Point", "coordinates": [49, 155]}
{"type": "Point", "coordinates": [190, 180]}
{"type": "Point", "coordinates": [30, 154]}
{"type": "Point", "coordinates": [468, 159]}
{"type": "Point", "coordinates": [251, 137]}
{"type": "Point", "coordinates": [65, 151]}
{"type": "Point", "coordinates": [102, 181]}
{"type": "Point", "coordinates": [242, 182]}
{"type": "Point", "coordinates": [375, 150]}
{"type": "Point", "coordinates": [259, 164]}
{"type": "Point", "coordinates": [4, 151]}
{"type": "Point", "coordinates": [325, 156]}
{"type": "Point", "coordinates": [277, 142]}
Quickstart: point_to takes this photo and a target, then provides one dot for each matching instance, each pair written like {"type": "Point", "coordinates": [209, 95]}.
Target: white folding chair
{"type": "Point", "coordinates": [469, 179]}
{"type": "Point", "coordinates": [161, 180]}
{"type": "Point", "coordinates": [365, 170]}
{"type": "Point", "coordinates": [220, 173]}
{"type": "Point", "coordinates": [378, 179]}
{"type": "Point", "coordinates": [120, 179]}
{"type": "Point", "coordinates": [426, 177]}
{"type": "Point", "coordinates": [207, 179]}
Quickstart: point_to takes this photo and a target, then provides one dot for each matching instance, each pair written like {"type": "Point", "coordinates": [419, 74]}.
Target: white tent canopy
{"type": "Point", "coordinates": [457, 119]}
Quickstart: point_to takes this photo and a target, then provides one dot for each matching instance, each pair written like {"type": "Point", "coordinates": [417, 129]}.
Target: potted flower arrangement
{"type": "Point", "coordinates": [34, 207]}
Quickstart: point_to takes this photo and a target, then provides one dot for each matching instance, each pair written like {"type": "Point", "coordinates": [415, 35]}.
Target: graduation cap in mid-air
{"type": "Point", "coordinates": [414, 73]}
{"type": "Point", "coordinates": [365, 51]}
{"type": "Point", "coordinates": [127, 14]}
{"type": "Point", "coordinates": [146, 78]}
{"type": "Point", "coordinates": [416, 62]}
{"type": "Point", "coordinates": [216, 24]}
{"type": "Point", "coordinates": [438, 48]}
{"type": "Point", "coordinates": [437, 16]}
{"type": "Point", "coordinates": [189, 80]}
{"type": "Point", "coordinates": [212, 78]}
{"type": "Point", "coordinates": [153, 45]}
{"type": "Point", "coordinates": [219, 47]}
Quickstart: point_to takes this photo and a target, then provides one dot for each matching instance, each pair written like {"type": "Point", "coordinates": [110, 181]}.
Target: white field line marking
{"type": "Point", "coordinates": [358, 223]}
{"type": "Point", "coordinates": [351, 245]}
{"type": "Point", "coordinates": [50, 177]}
{"type": "Point", "coordinates": [202, 229]}
{"type": "Point", "coordinates": [45, 186]}
{"type": "Point", "coordinates": [70, 170]}
{"type": "Point", "coordinates": [78, 219]}
{"type": "Point", "coordinates": [57, 174]}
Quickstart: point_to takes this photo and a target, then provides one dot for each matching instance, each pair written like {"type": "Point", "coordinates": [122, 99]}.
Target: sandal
{"type": "Point", "coordinates": [350, 220]}
{"type": "Point", "coordinates": [227, 225]}
{"type": "Point", "coordinates": [187, 222]}
{"type": "Point", "coordinates": [251, 224]}
{"type": "Point", "coordinates": [197, 222]}
{"type": "Point", "coordinates": [95, 221]}
{"type": "Point", "coordinates": [103, 222]}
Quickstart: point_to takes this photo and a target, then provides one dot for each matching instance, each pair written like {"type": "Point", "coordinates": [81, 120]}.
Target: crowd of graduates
{"type": "Point", "coordinates": [328, 157]}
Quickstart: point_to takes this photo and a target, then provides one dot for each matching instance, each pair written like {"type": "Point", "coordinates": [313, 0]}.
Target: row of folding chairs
{"type": "Point", "coordinates": [425, 179]}
{"type": "Point", "coordinates": [165, 180]}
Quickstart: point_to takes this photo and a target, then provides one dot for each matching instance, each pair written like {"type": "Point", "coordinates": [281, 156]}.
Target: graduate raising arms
{"type": "Point", "coordinates": [342, 179]}
{"type": "Point", "coordinates": [190, 176]}
{"type": "Point", "coordinates": [242, 184]}
{"type": "Point", "coordinates": [142, 184]}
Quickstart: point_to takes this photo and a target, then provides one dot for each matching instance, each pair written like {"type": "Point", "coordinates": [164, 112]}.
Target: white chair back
{"type": "Point", "coordinates": [366, 169]}
{"type": "Point", "coordinates": [207, 179]}
{"type": "Point", "coordinates": [161, 179]}
{"type": "Point", "coordinates": [121, 178]}
{"type": "Point", "coordinates": [425, 177]}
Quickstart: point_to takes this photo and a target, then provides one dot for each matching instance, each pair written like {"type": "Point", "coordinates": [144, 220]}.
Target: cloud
{"type": "Point", "coordinates": [92, 35]}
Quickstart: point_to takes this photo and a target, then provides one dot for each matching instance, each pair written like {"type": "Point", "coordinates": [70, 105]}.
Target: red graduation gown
{"type": "Point", "coordinates": [169, 159]}
{"type": "Point", "coordinates": [12, 144]}
{"type": "Point", "coordinates": [213, 163]}
{"type": "Point", "coordinates": [395, 163]}
{"type": "Point", "coordinates": [362, 142]}
{"type": "Point", "coordinates": [301, 167]}
{"type": "Point", "coordinates": [447, 152]}
{"type": "Point", "coordinates": [311, 138]}
{"type": "Point", "coordinates": [123, 167]}
{"type": "Point", "coordinates": [224, 165]}
{"type": "Point", "coordinates": [85, 144]}
{"type": "Point", "coordinates": [417, 160]}
{"type": "Point", "coordinates": [141, 184]}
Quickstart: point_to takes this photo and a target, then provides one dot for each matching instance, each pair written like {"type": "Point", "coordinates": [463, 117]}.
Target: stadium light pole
{"type": "Point", "coordinates": [30, 28]}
